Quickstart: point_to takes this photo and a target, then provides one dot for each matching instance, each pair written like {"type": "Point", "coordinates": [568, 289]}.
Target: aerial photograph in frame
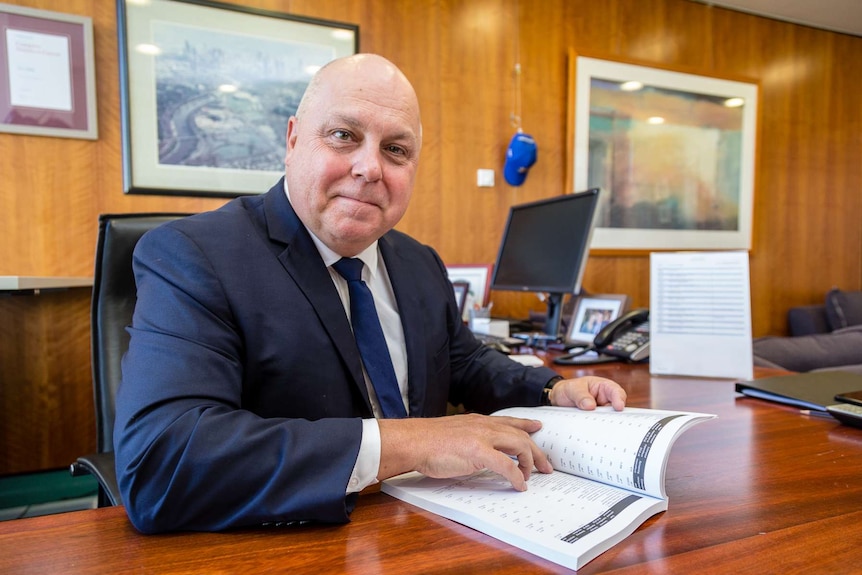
{"type": "Point", "coordinates": [221, 107]}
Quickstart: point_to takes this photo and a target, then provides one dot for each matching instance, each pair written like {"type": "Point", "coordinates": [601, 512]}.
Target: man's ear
{"type": "Point", "coordinates": [290, 136]}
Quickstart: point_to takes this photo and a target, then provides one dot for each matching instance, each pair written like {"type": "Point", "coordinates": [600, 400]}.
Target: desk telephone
{"type": "Point", "coordinates": [626, 338]}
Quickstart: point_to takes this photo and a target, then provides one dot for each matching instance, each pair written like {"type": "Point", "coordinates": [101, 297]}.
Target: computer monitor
{"type": "Point", "coordinates": [544, 249]}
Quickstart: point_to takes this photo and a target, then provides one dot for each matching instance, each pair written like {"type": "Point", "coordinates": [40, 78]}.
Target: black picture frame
{"type": "Point", "coordinates": [462, 289]}
{"type": "Point", "coordinates": [206, 90]}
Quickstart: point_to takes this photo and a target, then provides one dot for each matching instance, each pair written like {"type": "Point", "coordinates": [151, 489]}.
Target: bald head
{"type": "Point", "coordinates": [353, 150]}
{"type": "Point", "coordinates": [375, 69]}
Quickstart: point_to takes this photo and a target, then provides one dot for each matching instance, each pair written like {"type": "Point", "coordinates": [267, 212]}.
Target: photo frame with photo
{"type": "Point", "coordinates": [592, 313]}
{"type": "Point", "coordinates": [461, 288]}
{"type": "Point", "coordinates": [206, 91]}
{"type": "Point", "coordinates": [478, 278]}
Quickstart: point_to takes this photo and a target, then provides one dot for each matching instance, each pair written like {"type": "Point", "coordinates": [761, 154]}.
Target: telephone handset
{"type": "Point", "coordinates": [627, 337]}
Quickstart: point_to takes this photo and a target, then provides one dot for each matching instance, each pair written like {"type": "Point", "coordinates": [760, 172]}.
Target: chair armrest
{"type": "Point", "coordinates": [101, 466]}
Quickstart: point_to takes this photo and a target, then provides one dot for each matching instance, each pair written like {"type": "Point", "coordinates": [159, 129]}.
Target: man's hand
{"type": "Point", "coordinates": [460, 445]}
{"type": "Point", "coordinates": [587, 392]}
{"type": "Point", "coordinates": [463, 444]}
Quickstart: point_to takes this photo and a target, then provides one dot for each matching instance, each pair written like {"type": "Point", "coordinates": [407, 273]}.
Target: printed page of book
{"type": "Point", "coordinates": [572, 515]}
{"type": "Point", "coordinates": [626, 448]}
{"type": "Point", "coordinates": [564, 518]}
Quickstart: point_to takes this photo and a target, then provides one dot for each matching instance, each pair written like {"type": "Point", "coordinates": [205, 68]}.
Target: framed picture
{"type": "Point", "coordinates": [672, 152]}
{"type": "Point", "coordinates": [478, 278]}
{"type": "Point", "coordinates": [207, 90]}
{"type": "Point", "coordinates": [461, 289]}
{"type": "Point", "coordinates": [47, 74]}
{"type": "Point", "coordinates": [592, 313]}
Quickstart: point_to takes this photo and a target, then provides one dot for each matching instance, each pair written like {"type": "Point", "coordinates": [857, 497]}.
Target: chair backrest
{"type": "Point", "coordinates": [114, 297]}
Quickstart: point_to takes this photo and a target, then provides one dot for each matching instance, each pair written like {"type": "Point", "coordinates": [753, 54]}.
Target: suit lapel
{"type": "Point", "coordinates": [411, 309]}
{"type": "Point", "coordinates": [302, 262]}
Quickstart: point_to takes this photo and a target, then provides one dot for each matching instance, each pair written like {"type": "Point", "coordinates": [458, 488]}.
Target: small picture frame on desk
{"type": "Point", "coordinates": [461, 290]}
{"type": "Point", "coordinates": [478, 278]}
{"type": "Point", "coordinates": [592, 313]}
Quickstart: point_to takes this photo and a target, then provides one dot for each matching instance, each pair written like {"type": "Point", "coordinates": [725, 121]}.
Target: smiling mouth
{"type": "Point", "coordinates": [359, 201]}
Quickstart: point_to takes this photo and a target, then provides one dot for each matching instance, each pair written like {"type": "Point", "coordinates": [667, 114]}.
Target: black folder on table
{"type": "Point", "coordinates": [811, 390]}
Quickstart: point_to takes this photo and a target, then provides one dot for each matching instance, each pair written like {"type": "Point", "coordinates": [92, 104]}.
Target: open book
{"type": "Point", "coordinates": [608, 479]}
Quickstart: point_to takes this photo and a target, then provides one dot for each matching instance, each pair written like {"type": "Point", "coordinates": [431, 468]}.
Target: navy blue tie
{"type": "Point", "coordinates": [370, 340]}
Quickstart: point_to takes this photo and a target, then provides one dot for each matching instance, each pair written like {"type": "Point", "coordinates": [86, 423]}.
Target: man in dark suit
{"type": "Point", "coordinates": [245, 399]}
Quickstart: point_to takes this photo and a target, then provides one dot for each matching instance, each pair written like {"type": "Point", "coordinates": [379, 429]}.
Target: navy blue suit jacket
{"type": "Point", "coordinates": [243, 393]}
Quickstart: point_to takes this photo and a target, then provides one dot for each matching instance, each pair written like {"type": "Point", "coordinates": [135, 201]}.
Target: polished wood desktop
{"type": "Point", "coordinates": [760, 489]}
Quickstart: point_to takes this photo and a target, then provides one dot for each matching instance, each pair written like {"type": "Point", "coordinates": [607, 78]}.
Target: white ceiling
{"type": "Point", "coordinates": [836, 15]}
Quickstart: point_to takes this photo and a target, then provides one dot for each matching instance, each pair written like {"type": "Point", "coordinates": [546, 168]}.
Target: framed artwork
{"type": "Point", "coordinates": [207, 89]}
{"type": "Point", "coordinates": [592, 313]}
{"type": "Point", "coordinates": [478, 278]}
{"type": "Point", "coordinates": [461, 289]}
{"type": "Point", "coordinates": [47, 74]}
{"type": "Point", "coordinates": [672, 152]}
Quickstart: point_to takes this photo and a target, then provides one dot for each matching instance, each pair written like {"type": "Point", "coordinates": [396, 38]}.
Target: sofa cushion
{"type": "Point", "coordinates": [808, 319]}
{"type": "Point", "coordinates": [809, 352]}
{"type": "Point", "coordinates": [843, 308]}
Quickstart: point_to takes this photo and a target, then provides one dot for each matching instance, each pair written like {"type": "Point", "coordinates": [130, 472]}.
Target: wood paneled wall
{"type": "Point", "coordinates": [460, 55]}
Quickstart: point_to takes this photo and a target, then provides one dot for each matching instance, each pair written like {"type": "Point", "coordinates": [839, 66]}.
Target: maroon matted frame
{"type": "Point", "coordinates": [24, 30]}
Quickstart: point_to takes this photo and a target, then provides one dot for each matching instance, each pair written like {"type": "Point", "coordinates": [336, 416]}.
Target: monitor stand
{"type": "Point", "coordinates": [553, 321]}
{"type": "Point", "coordinates": [553, 318]}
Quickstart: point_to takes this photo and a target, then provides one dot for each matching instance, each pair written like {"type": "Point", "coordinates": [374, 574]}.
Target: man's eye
{"type": "Point", "coordinates": [397, 150]}
{"type": "Point", "coordinates": [341, 134]}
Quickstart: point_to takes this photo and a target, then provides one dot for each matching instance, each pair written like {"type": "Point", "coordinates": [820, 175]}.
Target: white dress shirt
{"type": "Point", "coordinates": [374, 274]}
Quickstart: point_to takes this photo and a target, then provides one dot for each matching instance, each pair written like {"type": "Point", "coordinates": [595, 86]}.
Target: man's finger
{"type": "Point", "coordinates": [512, 469]}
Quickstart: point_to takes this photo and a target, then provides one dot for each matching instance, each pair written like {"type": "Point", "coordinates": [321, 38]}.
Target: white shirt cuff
{"type": "Point", "coordinates": [368, 461]}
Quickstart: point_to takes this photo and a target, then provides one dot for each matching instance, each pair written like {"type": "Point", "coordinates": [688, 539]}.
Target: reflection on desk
{"type": "Point", "coordinates": [760, 489]}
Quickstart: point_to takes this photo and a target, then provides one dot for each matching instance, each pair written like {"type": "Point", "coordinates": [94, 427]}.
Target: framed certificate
{"type": "Point", "coordinates": [47, 78]}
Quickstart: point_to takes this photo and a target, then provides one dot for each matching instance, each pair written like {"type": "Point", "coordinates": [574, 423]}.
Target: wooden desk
{"type": "Point", "coordinates": [761, 489]}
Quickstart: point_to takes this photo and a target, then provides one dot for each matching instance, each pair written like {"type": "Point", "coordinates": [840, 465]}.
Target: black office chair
{"type": "Point", "coordinates": [114, 296]}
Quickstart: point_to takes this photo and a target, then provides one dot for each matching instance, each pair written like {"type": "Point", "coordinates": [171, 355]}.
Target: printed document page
{"type": "Point", "coordinates": [700, 314]}
{"type": "Point", "coordinates": [620, 458]}
{"type": "Point", "coordinates": [626, 448]}
{"type": "Point", "coordinates": [566, 519]}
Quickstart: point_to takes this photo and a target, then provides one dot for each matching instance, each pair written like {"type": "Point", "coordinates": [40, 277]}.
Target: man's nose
{"type": "Point", "coordinates": [368, 163]}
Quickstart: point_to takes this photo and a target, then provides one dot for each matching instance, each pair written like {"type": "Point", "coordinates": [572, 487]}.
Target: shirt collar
{"type": "Point", "coordinates": [368, 255]}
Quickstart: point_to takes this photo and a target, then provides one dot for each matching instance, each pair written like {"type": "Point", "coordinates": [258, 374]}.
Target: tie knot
{"type": "Point", "coordinates": [349, 268]}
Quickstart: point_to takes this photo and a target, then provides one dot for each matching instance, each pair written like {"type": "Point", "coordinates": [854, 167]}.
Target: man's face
{"type": "Point", "coordinates": [352, 156]}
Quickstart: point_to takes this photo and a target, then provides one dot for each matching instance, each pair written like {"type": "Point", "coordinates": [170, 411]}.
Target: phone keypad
{"type": "Point", "coordinates": [629, 341]}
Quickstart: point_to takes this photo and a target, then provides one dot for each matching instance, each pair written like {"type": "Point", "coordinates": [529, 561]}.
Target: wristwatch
{"type": "Point", "coordinates": [546, 392]}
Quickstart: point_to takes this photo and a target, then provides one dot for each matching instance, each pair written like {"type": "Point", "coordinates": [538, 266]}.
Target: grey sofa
{"type": "Point", "coordinates": [824, 337]}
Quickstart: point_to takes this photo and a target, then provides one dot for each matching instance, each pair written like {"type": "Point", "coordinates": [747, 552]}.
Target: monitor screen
{"type": "Point", "coordinates": [544, 249]}
{"type": "Point", "coordinates": [545, 244]}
